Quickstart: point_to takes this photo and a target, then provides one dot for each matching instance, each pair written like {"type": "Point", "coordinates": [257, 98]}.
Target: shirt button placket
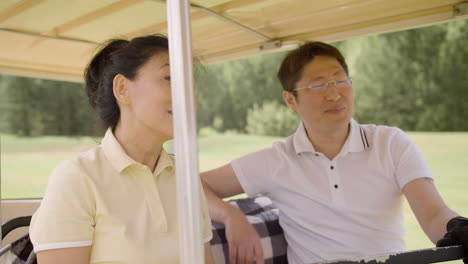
{"type": "Point", "coordinates": [154, 203]}
{"type": "Point", "coordinates": [335, 188]}
{"type": "Point", "coordinates": [333, 183]}
{"type": "Point", "coordinates": [334, 177]}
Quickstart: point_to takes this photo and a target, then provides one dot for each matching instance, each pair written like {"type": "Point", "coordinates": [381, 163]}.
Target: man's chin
{"type": "Point", "coordinates": [341, 120]}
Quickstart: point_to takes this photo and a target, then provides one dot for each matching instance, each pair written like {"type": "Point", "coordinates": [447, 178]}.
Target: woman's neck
{"type": "Point", "coordinates": [140, 144]}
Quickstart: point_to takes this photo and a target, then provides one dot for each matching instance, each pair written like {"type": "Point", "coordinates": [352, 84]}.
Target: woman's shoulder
{"type": "Point", "coordinates": [80, 163]}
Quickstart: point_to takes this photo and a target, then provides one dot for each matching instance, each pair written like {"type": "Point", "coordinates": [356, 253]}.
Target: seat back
{"type": "Point", "coordinates": [11, 209]}
{"type": "Point", "coordinates": [21, 250]}
{"type": "Point", "coordinates": [15, 223]}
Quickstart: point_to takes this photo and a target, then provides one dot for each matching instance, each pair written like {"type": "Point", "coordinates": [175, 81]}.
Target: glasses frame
{"type": "Point", "coordinates": [348, 80]}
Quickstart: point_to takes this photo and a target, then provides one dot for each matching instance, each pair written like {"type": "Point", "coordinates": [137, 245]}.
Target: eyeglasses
{"type": "Point", "coordinates": [322, 86]}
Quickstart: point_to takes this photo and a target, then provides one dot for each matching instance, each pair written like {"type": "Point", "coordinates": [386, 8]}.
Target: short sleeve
{"type": "Point", "coordinates": [206, 220]}
{"type": "Point", "coordinates": [410, 163]}
{"type": "Point", "coordinates": [254, 171]}
{"type": "Point", "coordinates": [65, 217]}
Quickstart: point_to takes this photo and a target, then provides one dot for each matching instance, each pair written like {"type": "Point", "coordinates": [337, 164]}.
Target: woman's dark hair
{"type": "Point", "coordinates": [292, 66]}
{"type": "Point", "coordinates": [118, 56]}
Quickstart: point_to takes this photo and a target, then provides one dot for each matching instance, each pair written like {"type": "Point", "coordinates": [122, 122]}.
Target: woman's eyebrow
{"type": "Point", "coordinates": [164, 65]}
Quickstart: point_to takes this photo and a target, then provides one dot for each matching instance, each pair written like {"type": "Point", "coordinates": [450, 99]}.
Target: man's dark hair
{"type": "Point", "coordinates": [293, 64]}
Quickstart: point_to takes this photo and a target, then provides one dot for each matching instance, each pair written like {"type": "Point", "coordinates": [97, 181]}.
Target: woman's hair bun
{"type": "Point", "coordinates": [117, 56]}
{"type": "Point", "coordinates": [96, 69]}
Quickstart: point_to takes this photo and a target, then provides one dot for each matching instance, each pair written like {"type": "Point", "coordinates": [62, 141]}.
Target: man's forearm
{"type": "Point", "coordinates": [429, 208]}
{"type": "Point", "coordinates": [208, 254]}
{"type": "Point", "coordinates": [218, 209]}
{"type": "Point", "coordinates": [436, 228]}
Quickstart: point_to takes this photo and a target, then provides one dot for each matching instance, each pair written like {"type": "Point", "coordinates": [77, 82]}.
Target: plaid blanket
{"type": "Point", "coordinates": [18, 252]}
{"type": "Point", "coordinates": [259, 211]}
{"type": "Point", "coordinates": [264, 217]}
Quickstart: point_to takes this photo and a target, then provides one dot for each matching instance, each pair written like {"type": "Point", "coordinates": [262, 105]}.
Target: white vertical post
{"type": "Point", "coordinates": [185, 140]}
{"type": "Point", "coordinates": [1, 199]}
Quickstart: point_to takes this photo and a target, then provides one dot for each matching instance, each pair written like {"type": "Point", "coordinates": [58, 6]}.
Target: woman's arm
{"type": "Point", "coordinates": [74, 255]}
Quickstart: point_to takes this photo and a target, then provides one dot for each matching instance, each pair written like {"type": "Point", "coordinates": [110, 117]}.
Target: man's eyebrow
{"type": "Point", "coordinates": [340, 71]}
{"type": "Point", "coordinates": [317, 78]}
{"type": "Point", "coordinates": [321, 77]}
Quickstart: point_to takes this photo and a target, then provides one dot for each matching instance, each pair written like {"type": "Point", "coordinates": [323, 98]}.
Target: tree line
{"type": "Point", "coordinates": [415, 79]}
{"type": "Point", "coordinates": [33, 107]}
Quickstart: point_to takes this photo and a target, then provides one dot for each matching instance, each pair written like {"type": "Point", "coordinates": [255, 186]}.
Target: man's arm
{"type": "Point", "coordinates": [208, 255]}
{"type": "Point", "coordinates": [430, 210]}
{"type": "Point", "coordinates": [220, 183]}
{"type": "Point", "coordinates": [243, 240]}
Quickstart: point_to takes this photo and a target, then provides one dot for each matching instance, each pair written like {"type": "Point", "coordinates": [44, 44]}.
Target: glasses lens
{"type": "Point", "coordinates": [319, 86]}
{"type": "Point", "coordinates": [343, 83]}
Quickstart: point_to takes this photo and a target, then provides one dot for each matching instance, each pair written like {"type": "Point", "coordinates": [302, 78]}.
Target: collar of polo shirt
{"type": "Point", "coordinates": [120, 160]}
{"type": "Point", "coordinates": [355, 142]}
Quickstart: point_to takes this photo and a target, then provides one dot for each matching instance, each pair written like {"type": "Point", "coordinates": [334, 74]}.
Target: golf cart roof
{"type": "Point", "coordinates": [55, 39]}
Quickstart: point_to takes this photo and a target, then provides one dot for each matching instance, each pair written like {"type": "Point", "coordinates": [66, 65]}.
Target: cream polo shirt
{"type": "Point", "coordinates": [106, 199]}
{"type": "Point", "coordinates": [351, 206]}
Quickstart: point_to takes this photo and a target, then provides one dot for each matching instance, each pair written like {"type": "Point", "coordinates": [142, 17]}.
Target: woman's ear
{"type": "Point", "coordinates": [120, 88]}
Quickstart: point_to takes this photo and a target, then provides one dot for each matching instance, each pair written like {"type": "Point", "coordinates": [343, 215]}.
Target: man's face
{"type": "Point", "coordinates": [324, 109]}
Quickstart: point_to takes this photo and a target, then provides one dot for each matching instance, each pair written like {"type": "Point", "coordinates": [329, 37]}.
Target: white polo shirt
{"type": "Point", "coordinates": [104, 199]}
{"type": "Point", "coordinates": [351, 206]}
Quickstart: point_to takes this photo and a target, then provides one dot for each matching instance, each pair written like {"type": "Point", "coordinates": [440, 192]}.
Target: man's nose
{"type": "Point", "coordinates": [331, 92]}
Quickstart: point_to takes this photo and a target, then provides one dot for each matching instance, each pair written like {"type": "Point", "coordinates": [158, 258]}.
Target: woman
{"type": "Point", "coordinates": [116, 203]}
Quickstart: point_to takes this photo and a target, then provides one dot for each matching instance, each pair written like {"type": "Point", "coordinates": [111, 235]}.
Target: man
{"type": "Point", "coordinates": [339, 185]}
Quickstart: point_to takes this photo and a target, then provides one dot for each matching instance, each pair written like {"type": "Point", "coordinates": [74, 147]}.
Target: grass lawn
{"type": "Point", "coordinates": [27, 162]}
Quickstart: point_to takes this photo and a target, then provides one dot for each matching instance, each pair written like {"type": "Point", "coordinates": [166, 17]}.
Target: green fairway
{"type": "Point", "coordinates": [27, 162]}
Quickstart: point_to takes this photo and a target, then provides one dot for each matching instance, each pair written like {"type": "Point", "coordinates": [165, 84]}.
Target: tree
{"type": "Point", "coordinates": [272, 119]}
{"type": "Point", "coordinates": [226, 91]}
{"type": "Point", "coordinates": [32, 107]}
{"type": "Point", "coordinates": [412, 79]}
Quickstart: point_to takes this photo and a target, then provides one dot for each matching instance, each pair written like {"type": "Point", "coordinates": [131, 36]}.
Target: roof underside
{"type": "Point", "coordinates": [55, 38]}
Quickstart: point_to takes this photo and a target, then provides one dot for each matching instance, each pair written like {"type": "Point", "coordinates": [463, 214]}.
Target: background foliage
{"type": "Point", "coordinates": [33, 107]}
{"type": "Point", "coordinates": [271, 119]}
{"type": "Point", "coordinates": [415, 79]}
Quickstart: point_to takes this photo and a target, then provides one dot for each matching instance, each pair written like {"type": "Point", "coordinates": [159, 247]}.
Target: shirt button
{"type": "Point", "coordinates": [331, 167]}
{"type": "Point", "coordinates": [316, 155]}
{"type": "Point", "coordinates": [336, 186]}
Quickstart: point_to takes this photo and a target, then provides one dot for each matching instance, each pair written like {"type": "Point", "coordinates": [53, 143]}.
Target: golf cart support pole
{"type": "Point", "coordinates": [185, 139]}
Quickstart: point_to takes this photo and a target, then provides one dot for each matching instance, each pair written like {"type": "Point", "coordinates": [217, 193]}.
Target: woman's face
{"type": "Point", "coordinates": [150, 97]}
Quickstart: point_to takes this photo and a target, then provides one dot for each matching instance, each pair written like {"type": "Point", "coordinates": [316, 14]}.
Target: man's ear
{"type": "Point", "coordinates": [120, 88]}
{"type": "Point", "coordinates": [290, 100]}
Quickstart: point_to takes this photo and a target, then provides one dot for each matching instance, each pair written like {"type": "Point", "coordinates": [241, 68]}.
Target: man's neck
{"type": "Point", "coordinates": [328, 142]}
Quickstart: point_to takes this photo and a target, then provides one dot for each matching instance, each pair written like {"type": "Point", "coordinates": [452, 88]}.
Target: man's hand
{"type": "Point", "coordinates": [457, 234]}
{"type": "Point", "coordinates": [243, 241]}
